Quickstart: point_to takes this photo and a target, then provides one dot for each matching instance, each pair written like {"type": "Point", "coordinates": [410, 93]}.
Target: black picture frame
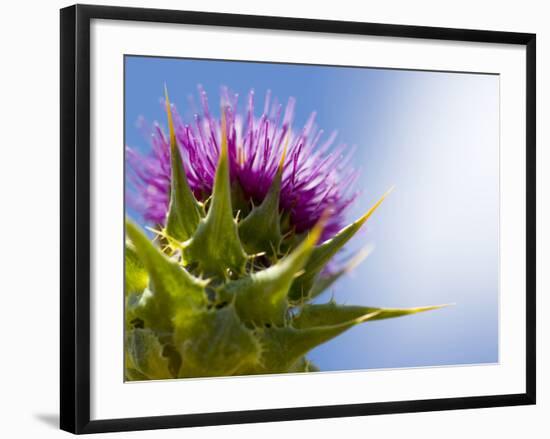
{"type": "Point", "coordinates": [75, 217]}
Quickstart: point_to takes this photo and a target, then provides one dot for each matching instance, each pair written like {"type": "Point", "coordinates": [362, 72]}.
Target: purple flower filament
{"type": "Point", "coordinates": [317, 177]}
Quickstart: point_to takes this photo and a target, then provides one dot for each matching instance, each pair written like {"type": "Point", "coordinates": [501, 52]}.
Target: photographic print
{"type": "Point", "coordinates": [304, 218]}
{"type": "Point", "coordinates": [293, 218]}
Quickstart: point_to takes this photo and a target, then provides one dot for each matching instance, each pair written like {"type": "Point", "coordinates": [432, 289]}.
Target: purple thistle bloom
{"type": "Point", "coordinates": [316, 177]}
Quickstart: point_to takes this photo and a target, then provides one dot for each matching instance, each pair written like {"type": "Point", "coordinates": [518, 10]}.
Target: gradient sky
{"type": "Point", "coordinates": [432, 135]}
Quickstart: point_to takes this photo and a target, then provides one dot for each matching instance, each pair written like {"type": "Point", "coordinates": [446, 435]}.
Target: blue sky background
{"type": "Point", "coordinates": [433, 135]}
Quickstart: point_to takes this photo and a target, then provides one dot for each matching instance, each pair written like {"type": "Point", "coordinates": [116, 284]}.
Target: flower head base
{"type": "Point", "coordinates": [316, 177]}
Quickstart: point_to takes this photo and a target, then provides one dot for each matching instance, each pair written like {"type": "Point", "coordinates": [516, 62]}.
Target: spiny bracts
{"type": "Point", "coordinates": [227, 285]}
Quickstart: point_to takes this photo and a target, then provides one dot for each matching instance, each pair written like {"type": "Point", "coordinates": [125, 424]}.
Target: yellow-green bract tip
{"type": "Point", "coordinates": [223, 151]}
{"type": "Point", "coordinates": [315, 233]}
{"type": "Point", "coordinates": [283, 155]}
{"type": "Point", "coordinates": [367, 215]}
{"type": "Point", "coordinates": [170, 120]}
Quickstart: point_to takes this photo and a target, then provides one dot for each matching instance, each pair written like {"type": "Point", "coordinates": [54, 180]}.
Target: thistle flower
{"type": "Point", "coordinates": [315, 177]}
{"type": "Point", "coordinates": [228, 287]}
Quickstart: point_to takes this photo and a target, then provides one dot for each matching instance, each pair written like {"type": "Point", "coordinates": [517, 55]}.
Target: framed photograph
{"type": "Point", "coordinates": [268, 218]}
